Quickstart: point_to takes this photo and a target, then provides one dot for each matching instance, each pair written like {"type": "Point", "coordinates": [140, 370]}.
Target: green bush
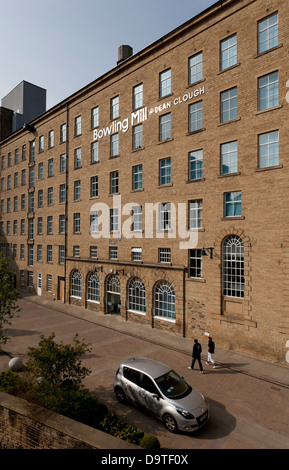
{"type": "Point", "coordinates": [12, 383]}
{"type": "Point", "coordinates": [117, 427]}
{"type": "Point", "coordinates": [150, 442]}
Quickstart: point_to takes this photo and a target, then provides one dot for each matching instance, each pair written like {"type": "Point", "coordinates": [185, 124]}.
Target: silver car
{"type": "Point", "coordinates": [158, 389]}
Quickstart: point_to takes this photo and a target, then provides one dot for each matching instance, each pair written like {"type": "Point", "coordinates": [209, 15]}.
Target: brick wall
{"type": "Point", "coordinates": [27, 426]}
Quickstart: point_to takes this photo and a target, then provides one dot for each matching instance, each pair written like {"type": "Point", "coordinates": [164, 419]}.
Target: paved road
{"type": "Point", "coordinates": [246, 412]}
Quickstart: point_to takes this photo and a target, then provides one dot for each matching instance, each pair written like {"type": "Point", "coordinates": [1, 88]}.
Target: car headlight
{"type": "Point", "coordinates": [184, 413]}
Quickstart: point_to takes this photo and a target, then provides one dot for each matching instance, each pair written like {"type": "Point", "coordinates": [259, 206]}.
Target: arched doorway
{"type": "Point", "coordinates": [113, 302]}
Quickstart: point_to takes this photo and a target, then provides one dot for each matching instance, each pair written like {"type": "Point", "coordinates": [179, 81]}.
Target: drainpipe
{"type": "Point", "coordinates": [66, 196]}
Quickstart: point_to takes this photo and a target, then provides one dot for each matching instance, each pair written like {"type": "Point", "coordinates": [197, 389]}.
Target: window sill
{"type": "Point", "coordinates": [165, 141]}
{"type": "Point", "coordinates": [260, 54]}
{"type": "Point", "coordinates": [280, 106]}
{"type": "Point", "coordinates": [191, 85]}
{"type": "Point", "coordinates": [242, 217]}
{"type": "Point", "coordinates": [165, 185]}
{"type": "Point", "coordinates": [197, 279]}
{"type": "Point", "coordinates": [237, 173]}
{"type": "Point", "coordinates": [197, 180]}
{"type": "Point", "coordinates": [229, 122]}
{"type": "Point", "coordinates": [268, 168]}
{"type": "Point", "coordinates": [137, 190]}
{"type": "Point", "coordinates": [229, 68]}
{"type": "Point", "coordinates": [197, 131]}
{"type": "Point", "coordinates": [171, 320]}
{"type": "Point", "coordinates": [138, 149]}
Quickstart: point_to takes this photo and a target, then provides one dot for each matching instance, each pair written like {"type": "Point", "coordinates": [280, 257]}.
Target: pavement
{"type": "Point", "coordinates": [239, 362]}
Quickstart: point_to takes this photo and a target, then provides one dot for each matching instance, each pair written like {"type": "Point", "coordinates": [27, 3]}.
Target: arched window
{"type": "Point", "coordinates": [113, 284]}
{"type": "Point", "coordinates": [76, 284]}
{"type": "Point", "coordinates": [136, 295]}
{"type": "Point", "coordinates": [233, 267]}
{"type": "Point", "coordinates": [165, 300]}
{"type": "Point", "coordinates": [93, 287]}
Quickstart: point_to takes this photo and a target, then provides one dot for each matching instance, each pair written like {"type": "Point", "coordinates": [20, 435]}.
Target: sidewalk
{"type": "Point", "coordinates": [273, 373]}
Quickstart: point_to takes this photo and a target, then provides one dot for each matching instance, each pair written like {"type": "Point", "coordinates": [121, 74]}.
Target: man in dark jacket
{"type": "Point", "coordinates": [196, 355]}
{"type": "Point", "coordinates": [211, 351]}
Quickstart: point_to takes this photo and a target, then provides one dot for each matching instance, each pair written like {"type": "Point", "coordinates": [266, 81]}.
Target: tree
{"type": "Point", "coordinates": [8, 298]}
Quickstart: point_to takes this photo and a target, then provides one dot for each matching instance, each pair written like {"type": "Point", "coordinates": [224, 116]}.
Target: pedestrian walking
{"type": "Point", "coordinates": [211, 352]}
{"type": "Point", "coordinates": [196, 355]}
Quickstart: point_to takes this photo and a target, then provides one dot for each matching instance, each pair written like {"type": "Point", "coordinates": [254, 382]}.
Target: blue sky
{"type": "Point", "coordinates": [62, 45]}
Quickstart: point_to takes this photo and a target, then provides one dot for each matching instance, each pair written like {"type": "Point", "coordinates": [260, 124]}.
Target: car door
{"type": "Point", "coordinates": [150, 397]}
{"type": "Point", "coordinates": [131, 384]}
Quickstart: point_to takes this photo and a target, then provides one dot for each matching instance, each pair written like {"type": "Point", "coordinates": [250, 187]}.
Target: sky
{"type": "Point", "coordinates": [63, 45]}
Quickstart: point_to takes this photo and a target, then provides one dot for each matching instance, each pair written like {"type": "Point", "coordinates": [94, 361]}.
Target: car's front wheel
{"type": "Point", "coordinates": [120, 395]}
{"type": "Point", "coordinates": [170, 423]}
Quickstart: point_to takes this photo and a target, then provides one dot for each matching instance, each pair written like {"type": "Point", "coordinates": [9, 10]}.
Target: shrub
{"type": "Point", "coordinates": [150, 442]}
{"type": "Point", "coordinates": [117, 427]}
{"type": "Point", "coordinates": [12, 383]}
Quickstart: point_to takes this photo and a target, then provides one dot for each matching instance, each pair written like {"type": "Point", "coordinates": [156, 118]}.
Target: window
{"type": "Point", "coordinates": [136, 295]}
{"type": "Point", "coordinates": [16, 156]}
{"type": "Point", "coordinates": [15, 227]}
{"type": "Point", "coordinates": [113, 252]}
{"type": "Point", "coordinates": [233, 281]}
{"type": "Point", "coordinates": [22, 251]}
{"type": "Point", "coordinates": [41, 143]}
{"type": "Point", "coordinates": [40, 171]}
{"type": "Point", "coordinates": [137, 177]}
{"type": "Point", "coordinates": [39, 252]}
{"type": "Point", "coordinates": [77, 128]}
{"type": "Point", "coordinates": [31, 177]}
{"type": "Point", "coordinates": [49, 283]}
{"type": "Point", "coordinates": [113, 220]}
{"type": "Point", "coordinates": [14, 251]}
{"type": "Point", "coordinates": [16, 179]}
{"type": "Point", "coordinates": [268, 88]}
{"type": "Point", "coordinates": [77, 190]}
{"type": "Point", "coordinates": [196, 68]}
{"type": "Point", "coordinates": [51, 139]}
{"type": "Point", "coordinates": [195, 263]}
{"type": "Point", "coordinates": [137, 139]}
{"type": "Point", "coordinates": [62, 223]}
{"type": "Point", "coordinates": [62, 192]}
{"type": "Point", "coordinates": [196, 116]}
{"type": "Point", "coordinates": [15, 203]}
{"type": "Point", "coordinates": [94, 152]}
{"type": "Point", "coordinates": [165, 216]}
{"type": "Point", "coordinates": [229, 102]}
{"type": "Point", "coordinates": [22, 229]}
{"type": "Point", "coordinates": [30, 278]}
{"type": "Point", "coordinates": [61, 254]}
{"type": "Point", "coordinates": [49, 253]}
{"type": "Point", "coordinates": [268, 149]}
{"type": "Point", "coordinates": [165, 83]}
{"type": "Point", "coordinates": [93, 288]}
{"type": "Point", "coordinates": [195, 214]}
{"type": "Point", "coordinates": [49, 225]}
{"type": "Point", "coordinates": [40, 198]}
{"type": "Point", "coordinates": [268, 33]}
{"type": "Point", "coordinates": [114, 182]}
{"type": "Point", "coordinates": [93, 252]}
{"type": "Point", "coordinates": [8, 204]}
{"type": "Point", "coordinates": [62, 133]}
{"type": "Point", "coordinates": [138, 96]}
{"type": "Point", "coordinates": [62, 168]}
{"type": "Point", "coordinates": [136, 218]}
{"type": "Point", "coordinates": [114, 145]}
{"type": "Point", "coordinates": [136, 254]}
{"type": "Point", "coordinates": [50, 196]}
{"type": "Point", "coordinates": [23, 152]}
{"type": "Point", "coordinates": [233, 204]}
{"type": "Point", "coordinates": [94, 186]}
{"type": "Point", "coordinates": [165, 171]}
{"type": "Point", "coordinates": [76, 284]}
{"type": "Point", "coordinates": [164, 255]}
{"type": "Point", "coordinates": [93, 221]}
{"type": "Point", "coordinates": [50, 167]}
{"type": "Point", "coordinates": [39, 225]}
{"type": "Point", "coordinates": [164, 301]}
{"type": "Point", "coordinates": [76, 251]}
{"type": "Point", "coordinates": [95, 117]}
{"type": "Point", "coordinates": [114, 108]}
{"type": "Point", "coordinates": [77, 158]}
{"type": "Point", "coordinates": [30, 255]}
{"type": "Point", "coordinates": [76, 222]}
{"type": "Point", "coordinates": [31, 202]}
{"type": "Point", "coordinates": [229, 52]}
{"type": "Point", "coordinates": [32, 151]}
{"type": "Point", "coordinates": [229, 158]}
{"type": "Point", "coordinates": [23, 177]}
{"type": "Point", "coordinates": [9, 160]}
{"type": "Point", "coordinates": [196, 165]}
{"type": "Point", "coordinates": [165, 127]}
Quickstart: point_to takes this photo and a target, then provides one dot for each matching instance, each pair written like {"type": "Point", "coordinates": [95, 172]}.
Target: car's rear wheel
{"type": "Point", "coordinates": [120, 395]}
{"type": "Point", "coordinates": [170, 423]}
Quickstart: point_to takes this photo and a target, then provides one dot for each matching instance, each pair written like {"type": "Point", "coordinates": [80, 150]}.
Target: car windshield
{"type": "Point", "coordinates": [172, 385]}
